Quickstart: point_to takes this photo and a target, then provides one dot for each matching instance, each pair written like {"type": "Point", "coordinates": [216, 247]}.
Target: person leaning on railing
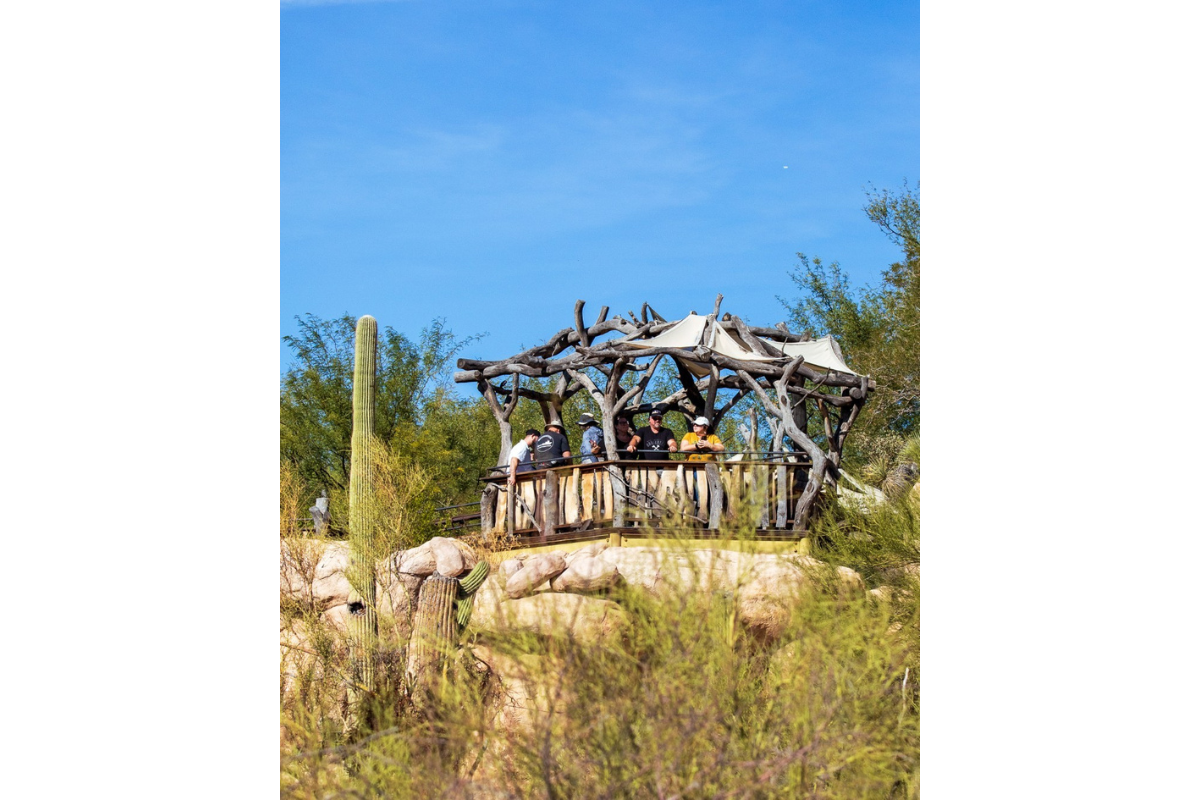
{"type": "Point", "coordinates": [700, 445]}
{"type": "Point", "coordinates": [653, 439]}
{"type": "Point", "coordinates": [520, 458]}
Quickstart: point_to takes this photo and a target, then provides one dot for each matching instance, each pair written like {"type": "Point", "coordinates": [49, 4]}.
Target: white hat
{"type": "Point", "coordinates": [701, 421]}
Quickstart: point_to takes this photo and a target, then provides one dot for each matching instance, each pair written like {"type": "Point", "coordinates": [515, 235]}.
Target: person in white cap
{"type": "Point", "coordinates": [700, 444]}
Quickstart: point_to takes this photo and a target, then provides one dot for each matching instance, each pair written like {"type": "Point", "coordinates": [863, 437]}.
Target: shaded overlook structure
{"type": "Point", "coordinates": [720, 361]}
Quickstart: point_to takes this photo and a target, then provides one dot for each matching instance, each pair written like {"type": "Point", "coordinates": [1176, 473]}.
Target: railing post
{"type": "Point", "coordinates": [549, 504]}
{"type": "Point", "coordinates": [512, 508]}
{"type": "Point", "coordinates": [716, 495]}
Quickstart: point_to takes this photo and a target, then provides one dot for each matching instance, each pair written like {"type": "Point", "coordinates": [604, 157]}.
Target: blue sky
{"type": "Point", "coordinates": [491, 162]}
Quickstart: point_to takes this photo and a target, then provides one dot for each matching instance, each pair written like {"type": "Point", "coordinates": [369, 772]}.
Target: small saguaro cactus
{"type": "Point", "coordinates": [443, 610]}
{"type": "Point", "coordinates": [364, 628]}
{"type": "Point", "coordinates": [434, 630]}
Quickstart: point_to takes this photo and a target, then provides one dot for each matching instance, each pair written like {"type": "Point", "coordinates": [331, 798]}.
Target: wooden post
{"type": "Point", "coordinates": [512, 509]}
{"type": "Point", "coordinates": [549, 504]}
{"type": "Point", "coordinates": [716, 495]}
{"type": "Point", "coordinates": [686, 506]}
{"type": "Point", "coordinates": [487, 510]}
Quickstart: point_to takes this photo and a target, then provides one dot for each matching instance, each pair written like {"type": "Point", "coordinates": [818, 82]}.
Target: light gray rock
{"type": "Point", "coordinates": [593, 549]}
{"type": "Point", "coordinates": [330, 586]}
{"type": "Point", "coordinates": [469, 556]}
{"type": "Point", "coordinates": [448, 559]}
{"type": "Point", "coordinates": [639, 566]}
{"type": "Point", "coordinates": [537, 570]}
{"type": "Point", "coordinates": [511, 566]}
{"type": "Point", "coordinates": [397, 593]}
{"type": "Point", "coordinates": [587, 574]}
{"type": "Point", "coordinates": [419, 561]}
{"type": "Point", "coordinates": [488, 598]}
{"type": "Point", "coordinates": [338, 617]}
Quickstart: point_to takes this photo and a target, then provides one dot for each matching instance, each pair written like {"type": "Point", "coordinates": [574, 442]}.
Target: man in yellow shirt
{"type": "Point", "coordinates": [700, 444]}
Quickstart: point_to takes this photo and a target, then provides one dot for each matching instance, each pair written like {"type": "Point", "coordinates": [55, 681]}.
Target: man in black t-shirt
{"type": "Point", "coordinates": [552, 448]}
{"type": "Point", "coordinates": [653, 441]}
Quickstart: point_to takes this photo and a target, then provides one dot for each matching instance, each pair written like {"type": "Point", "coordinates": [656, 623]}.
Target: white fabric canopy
{"type": "Point", "coordinates": [726, 345]}
{"type": "Point", "coordinates": [822, 353]}
{"type": "Point", "coordinates": [683, 334]}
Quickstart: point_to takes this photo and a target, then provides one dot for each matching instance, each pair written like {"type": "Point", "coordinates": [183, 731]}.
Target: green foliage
{"type": "Point", "coordinates": [404, 503]}
{"type": "Point", "coordinates": [884, 546]}
{"type": "Point", "coordinates": [415, 410]}
{"type": "Point", "coordinates": [878, 327]}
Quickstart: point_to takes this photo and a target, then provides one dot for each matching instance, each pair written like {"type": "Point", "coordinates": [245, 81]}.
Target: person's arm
{"type": "Point", "coordinates": [634, 441]}
{"type": "Point", "coordinates": [674, 448]}
{"type": "Point", "coordinates": [687, 446]}
{"type": "Point", "coordinates": [716, 446]}
{"type": "Point", "coordinates": [512, 470]}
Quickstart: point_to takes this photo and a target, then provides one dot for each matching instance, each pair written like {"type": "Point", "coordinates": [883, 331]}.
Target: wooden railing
{"type": "Point", "coordinates": [700, 494]}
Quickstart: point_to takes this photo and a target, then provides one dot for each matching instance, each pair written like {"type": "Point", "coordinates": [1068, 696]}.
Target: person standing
{"type": "Point", "coordinates": [591, 446]}
{"type": "Point", "coordinates": [624, 430]}
{"type": "Point", "coordinates": [520, 458]}
{"type": "Point", "coordinates": [552, 448]}
{"type": "Point", "coordinates": [653, 441]}
{"type": "Point", "coordinates": [700, 444]}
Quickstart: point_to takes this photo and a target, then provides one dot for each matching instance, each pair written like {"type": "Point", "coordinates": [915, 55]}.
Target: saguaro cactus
{"type": "Point", "coordinates": [443, 610]}
{"type": "Point", "coordinates": [364, 626]}
{"type": "Point", "coordinates": [434, 627]}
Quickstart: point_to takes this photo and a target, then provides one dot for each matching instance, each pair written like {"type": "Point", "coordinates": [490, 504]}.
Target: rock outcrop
{"type": "Point", "coordinates": [563, 593]}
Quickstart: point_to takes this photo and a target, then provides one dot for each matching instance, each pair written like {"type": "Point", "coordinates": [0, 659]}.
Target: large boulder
{"type": "Point", "coordinates": [396, 594]}
{"type": "Point", "coordinates": [590, 551]}
{"type": "Point", "coordinates": [536, 570]}
{"type": "Point", "coordinates": [330, 585]}
{"type": "Point", "coordinates": [447, 557]}
{"type": "Point", "coordinates": [586, 574]}
{"type": "Point", "coordinates": [639, 566]}
{"type": "Point", "coordinates": [510, 566]}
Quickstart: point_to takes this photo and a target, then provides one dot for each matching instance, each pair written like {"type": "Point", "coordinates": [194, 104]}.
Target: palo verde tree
{"type": "Point", "coordinates": [878, 326]}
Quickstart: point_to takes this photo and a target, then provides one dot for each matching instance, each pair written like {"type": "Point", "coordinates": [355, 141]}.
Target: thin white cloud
{"type": "Point", "coordinates": [299, 3]}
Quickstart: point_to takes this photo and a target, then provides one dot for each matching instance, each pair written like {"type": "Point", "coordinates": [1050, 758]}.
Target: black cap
{"type": "Point", "coordinates": [656, 413]}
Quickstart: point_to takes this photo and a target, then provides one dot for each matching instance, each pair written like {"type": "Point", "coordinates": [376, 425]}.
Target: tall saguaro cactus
{"type": "Point", "coordinates": [364, 626]}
